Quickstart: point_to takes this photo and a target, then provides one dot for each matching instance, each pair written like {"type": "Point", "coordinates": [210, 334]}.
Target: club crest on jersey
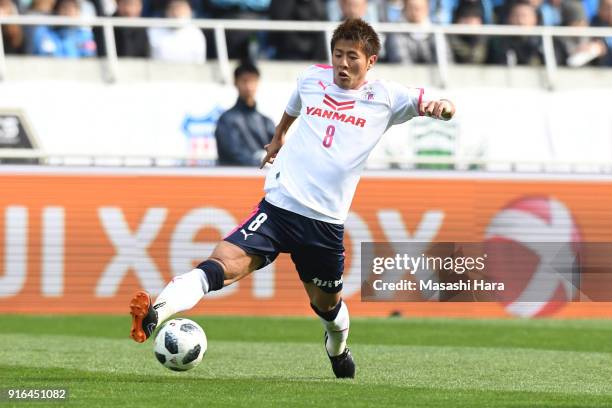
{"type": "Point", "coordinates": [335, 113]}
{"type": "Point", "coordinates": [368, 93]}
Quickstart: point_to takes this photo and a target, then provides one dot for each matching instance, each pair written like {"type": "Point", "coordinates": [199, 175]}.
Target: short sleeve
{"type": "Point", "coordinates": [294, 106]}
{"type": "Point", "coordinates": [405, 103]}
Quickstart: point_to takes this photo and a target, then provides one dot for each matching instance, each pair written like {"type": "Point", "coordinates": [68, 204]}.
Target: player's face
{"type": "Point", "coordinates": [351, 64]}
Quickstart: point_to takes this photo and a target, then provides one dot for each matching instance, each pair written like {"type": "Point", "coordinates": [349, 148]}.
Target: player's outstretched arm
{"type": "Point", "coordinates": [441, 109]}
{"type": "Point", "coordinates": [278, 140]}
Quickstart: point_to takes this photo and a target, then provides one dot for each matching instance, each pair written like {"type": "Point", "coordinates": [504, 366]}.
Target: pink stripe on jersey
{"type": "Point", "coordinates": [324, 66]}
{"type": "Point", "coordinates": [421, 92]}
{"type": "Point", "coordinates": [337, 102]}
{"type": "Point", "coordinates": [325, 101]}
{"type": "Point", "coordinates": [255, 210]}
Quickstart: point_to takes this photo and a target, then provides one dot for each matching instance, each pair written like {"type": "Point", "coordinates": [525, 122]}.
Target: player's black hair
{"type": "Point", "coordinates": [245, 67]}
{"type": "Point", "coordinates": [357, 30]}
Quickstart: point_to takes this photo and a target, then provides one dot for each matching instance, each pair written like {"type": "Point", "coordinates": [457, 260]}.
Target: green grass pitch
{"type": "Point", "coordinates": [280, 362]}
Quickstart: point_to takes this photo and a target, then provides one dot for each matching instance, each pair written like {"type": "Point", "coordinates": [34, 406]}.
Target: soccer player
{"type": "Point", "coordinates": [309, 189]}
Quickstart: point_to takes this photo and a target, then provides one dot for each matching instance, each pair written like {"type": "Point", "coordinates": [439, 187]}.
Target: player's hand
{"type": "Point", "coordinates": [272, 150]}
{"type": "Point", "coordinates": [442, 109]}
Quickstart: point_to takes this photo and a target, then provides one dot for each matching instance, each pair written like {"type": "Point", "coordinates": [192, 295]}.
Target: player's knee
{"type": "Point", "coordinates": [324, 306]}
{"type": "Point", "coordinates": [222, 272]}
{"type": "Point", "coordinates": [231, 271]}
{"type": "Point", "coordinates": [235, 261]}
{"type": "Point", "coordinates": [325, 302]}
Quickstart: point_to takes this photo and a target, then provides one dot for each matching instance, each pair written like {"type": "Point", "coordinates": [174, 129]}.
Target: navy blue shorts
{"type": "Point", "coordinates": [315, 246]}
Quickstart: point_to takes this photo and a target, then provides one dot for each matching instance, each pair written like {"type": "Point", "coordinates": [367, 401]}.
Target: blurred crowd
{"type": "Point", "coordinates": [189, 44]}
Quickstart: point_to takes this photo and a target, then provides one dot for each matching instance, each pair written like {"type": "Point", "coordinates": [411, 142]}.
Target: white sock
{"type": "Point", "coordinates": [182, 293]}
{"type": "Point", "coordinates": [337, 331]}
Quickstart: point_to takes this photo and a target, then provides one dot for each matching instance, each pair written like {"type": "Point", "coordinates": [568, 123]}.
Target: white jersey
{"type": "Point", "coordinates": [317, 170]}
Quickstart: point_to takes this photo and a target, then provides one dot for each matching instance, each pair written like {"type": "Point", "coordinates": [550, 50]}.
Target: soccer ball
{"type": "Point", "coordinates": [180, 344]}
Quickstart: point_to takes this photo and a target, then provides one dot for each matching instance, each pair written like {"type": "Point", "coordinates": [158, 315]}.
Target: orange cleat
{"type": "Point", "coordinates": [144, 317]}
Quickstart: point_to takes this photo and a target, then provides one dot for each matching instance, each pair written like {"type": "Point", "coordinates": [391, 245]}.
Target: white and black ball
{"type": "Point", "coordinates": [180, 344]}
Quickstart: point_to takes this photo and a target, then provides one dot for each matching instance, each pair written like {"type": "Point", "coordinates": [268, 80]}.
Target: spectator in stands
{"type": "Point", "coordinates": [338, 10]}
{"type": "Point", "coordinates": [487, 8]}
{"type": "Point", "coordinates": [242, 132]}
{"type": "Point", "coordinates": [131, 41]}
{"type": "Point", "coordinates": [469, 49]}
{"type": "Point", "coordinates": [413, 48]}
{"type": "Point", "coordinates": [604, 14]}
{"type": "Point", "coordinates": [241, 44]}
{"type": "Point", "coordinates": [604, 19]}
{"type": "Point", "coordinates": [183, 44]}
{"type": "Point", "coordinates": [296, 45]}
{"type": "Point", "coordinates": [354, 9]}
{"type": "Point", "coordinates": [157, 8]}
{"type": "Point", "coordinates": [548, 12]}
{"type": "Point", "coordinates": [12, 35]}
{"type": "Point", "coordinates": [46, 7]}
{"type": "Point", "coordinates": [36, 8]}
{"type": "Point", "coordinates": [443, 11]}
{"type": "Point", "coordinates": [577, 51]}
{"type": "Point", "coordinates": [522, 50]}
{"type": "Point", "coordinates": [41, 7]}
{"type": "Point", "coordinates": [64, 41]}
{"type": "Point", "coordinates": [104, 8]}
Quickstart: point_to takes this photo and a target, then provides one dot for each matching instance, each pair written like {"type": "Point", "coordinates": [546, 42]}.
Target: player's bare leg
{"type": "Point", "coordinates": [227, 264]}
{"type": "Point", "coordinates": [335, 318]}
